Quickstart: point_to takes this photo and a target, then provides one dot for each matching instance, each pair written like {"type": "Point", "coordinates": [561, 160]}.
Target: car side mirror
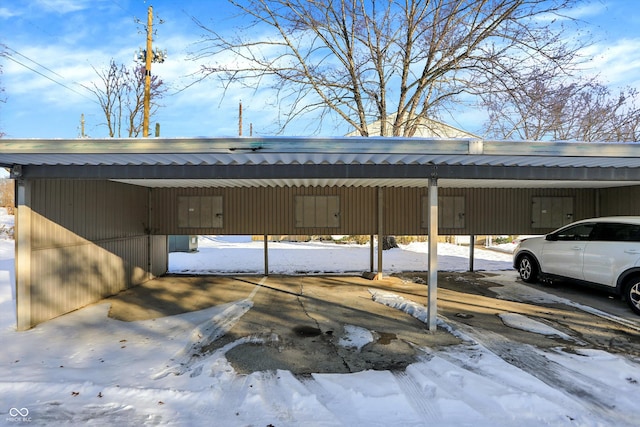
{"type": "Point", "coordinates": [551, 237]}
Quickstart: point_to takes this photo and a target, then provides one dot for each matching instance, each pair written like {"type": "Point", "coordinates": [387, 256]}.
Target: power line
{"type": "Point", "coordinates": [9, 56]}
{"type": "Point", "coordinates": [119, 5]}
{"type": "Point", "coordinates": [47, 77]}
{"type": "Point", "coordinates": [31, 60]}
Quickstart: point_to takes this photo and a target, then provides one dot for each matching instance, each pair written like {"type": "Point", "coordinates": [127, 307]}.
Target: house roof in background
{"type": "Point", "coordinates": [425, 128]}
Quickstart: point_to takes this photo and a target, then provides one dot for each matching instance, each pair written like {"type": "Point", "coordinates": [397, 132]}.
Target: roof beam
{"type": "Point", "coordinates": [311, 171]}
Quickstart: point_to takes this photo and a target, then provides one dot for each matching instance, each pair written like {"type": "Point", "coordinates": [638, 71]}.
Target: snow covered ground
{"type": "Point", "coordinates": [243, 255]}
{"type": "Point", "coordinates": [85, 368]}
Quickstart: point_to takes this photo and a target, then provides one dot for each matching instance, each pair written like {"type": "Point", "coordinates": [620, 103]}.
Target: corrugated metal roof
{"type": "Point", "coordinates": [379, 182]}
{"type": "Point", "coordinates": [310, 150]}
{"type": "Point", "coordinates": [9, 160]}
{"type": "Point", "coordinates": [383, 153]}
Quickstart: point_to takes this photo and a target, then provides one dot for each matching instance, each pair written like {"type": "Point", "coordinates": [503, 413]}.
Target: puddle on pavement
{"type": "Point", "coordinates": [307, 331]}
{"type": "Point", "coordinates": [386, 338]}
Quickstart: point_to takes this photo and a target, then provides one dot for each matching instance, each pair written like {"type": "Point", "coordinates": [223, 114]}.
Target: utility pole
{"type": "Point", "coordinates": [82, 135]}
{"type": "Point", "coordinates": [147, 73]}
{"type": "Point", "coordinates": [149, 56]}
{"type": "Point", "coordinates": [240, 122]}
{"type": "Point", "coordinates": [240, 119]}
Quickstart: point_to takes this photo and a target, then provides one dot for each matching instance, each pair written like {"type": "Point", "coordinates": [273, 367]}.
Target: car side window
{"type": "Point", "coordinates": [633, 233]}
{"type": "Point", "coordinates": [615, 232]}
{"type": "Point", "coordinates": [607, 232]}
{"type": "Point", "coordinates": [577, 232]}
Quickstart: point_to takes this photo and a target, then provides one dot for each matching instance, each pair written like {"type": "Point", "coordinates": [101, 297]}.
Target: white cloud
{"type": "Point", "coordinates": [64, 6]}
{"type": "Point", "coordinates": [616, 63]}
{"type": "Point", "coordinates": [587, 10]}
{"type": "Point", "coordinates": [6, 13]}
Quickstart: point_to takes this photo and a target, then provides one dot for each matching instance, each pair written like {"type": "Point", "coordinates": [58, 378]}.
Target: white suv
{"type": "Point", "coordinates": [600, 251]}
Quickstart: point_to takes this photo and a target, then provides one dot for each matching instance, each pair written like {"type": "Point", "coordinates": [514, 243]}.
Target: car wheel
{"type": "Point", "coordinates": [632, 294]}
{"type": "Point", "coordinates": [528, 269]}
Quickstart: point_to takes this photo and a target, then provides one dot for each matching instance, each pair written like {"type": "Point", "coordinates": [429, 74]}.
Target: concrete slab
{"type": "Point", "coordinates": [300, 320]}
{"type": "Point", "coordinates": [302, 323]}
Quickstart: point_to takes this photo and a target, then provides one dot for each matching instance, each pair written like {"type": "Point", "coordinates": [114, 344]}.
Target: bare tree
{"type": "Point", "coordinates": [605, 116]}
{"type": "Point", "coordinates": [7, 192]}
{"type": "Point", "coordinates": [135, 100]}
{"type": "Point", "coordinates": [542, 108]}
{"type": "Point", "coordinates": [110, 93]}
{"type": "Point", "coordinates": [366, 60]}
{"type": "Point", "coordinates": [120, 93]}
{"type": "Point", "coordinates": [2, 100]}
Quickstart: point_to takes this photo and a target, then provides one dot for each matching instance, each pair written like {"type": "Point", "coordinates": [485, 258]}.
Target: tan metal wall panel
{"type": "Point", "coordinates": [87, 273]}
{"type": "Point", "coordinates": [402, 211]}
{"type": "Point", "coordinates": [509, 211]}
{"type": "Point", "coordinates": [271, 210]}
{"type": "Point", "coordinates": [88, 241]}
{"type": "Point", "coordinates": [487, 210]}
{"type": "Point", "coordinates": [159, 255]}
{"type": "Point", "coordinates": [267, 210]}
{"type": "Point", "coordinates": [119, 210]}
{"type": "Point", "coordinates": [620, 201]}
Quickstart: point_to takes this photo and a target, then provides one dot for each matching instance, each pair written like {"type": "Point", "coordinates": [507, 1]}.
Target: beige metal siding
{"type": "Point", "coordinates": [489, 209]}
{"type": "Point", "coordinates": [268, 210]}
{"type": "Point", "coordinates": [402, 211]}
{"type": "Point", "coordinates": [71, 211]}
{"type": "Point", "coordinates": [486, 210]}
{"type": "Point", "coordinates": [159, 255]}
{"type": "Point", "coordinates": [272, 210]}
{"type": "Point", "coordinates": [88, 241]}
{"type": "Point", "coordinates": [509, 211]}
{"type": "Point", "coordinates": [620, 201]}
{"type": "Point", "coordinates": [23, 254]}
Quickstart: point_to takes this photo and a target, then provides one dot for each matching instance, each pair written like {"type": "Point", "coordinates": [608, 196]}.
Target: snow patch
{"type": "Point", "coordinates": [190, 358]}
{"type": "Point", "coordinates": [396, 301]}
{"type": "Point", "coordinates": [355, 337]}
{"type": "Point", "coordinates": [525, 323]}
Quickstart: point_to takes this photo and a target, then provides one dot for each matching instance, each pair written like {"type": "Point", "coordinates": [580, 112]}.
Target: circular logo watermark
{"type": "Point", "coordinates": [18, 415]}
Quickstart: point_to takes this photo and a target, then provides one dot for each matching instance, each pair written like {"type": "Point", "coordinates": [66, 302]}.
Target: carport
{"type": "Point", "coordinates": [93, 216]}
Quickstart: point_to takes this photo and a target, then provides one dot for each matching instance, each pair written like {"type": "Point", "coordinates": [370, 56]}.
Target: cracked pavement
{"type": "Point", "coordinates": [296, 322]}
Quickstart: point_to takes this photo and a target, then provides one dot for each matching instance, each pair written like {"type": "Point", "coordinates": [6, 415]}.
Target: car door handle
{"type": "Point", "coordinates": [632, 251]}
{"type": "Point", "coordinates": [577, 248]}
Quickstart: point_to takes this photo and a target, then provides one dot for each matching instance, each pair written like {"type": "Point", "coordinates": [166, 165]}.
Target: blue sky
{"type": "Point", "coordinates": [53, 45]}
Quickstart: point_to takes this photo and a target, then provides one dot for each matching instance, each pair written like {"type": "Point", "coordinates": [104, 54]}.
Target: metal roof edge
{"type": "Point", "coordinates": [562, 148]}
{"type": "Point", "coordinates": [388, 145]}
{"type": "Point", "coordinates": [233, 144]}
